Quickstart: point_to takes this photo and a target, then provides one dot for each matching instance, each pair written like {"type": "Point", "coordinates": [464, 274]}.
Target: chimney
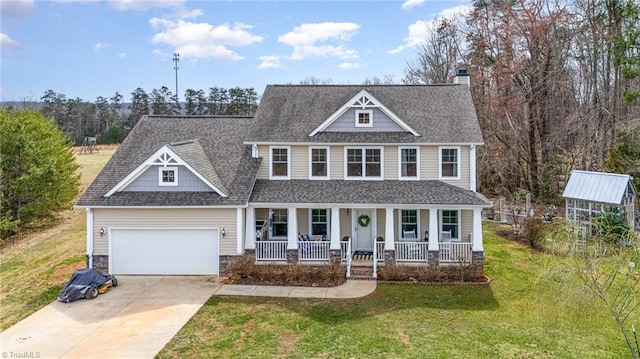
{"type": "Point", "coordinates": [462, 77]}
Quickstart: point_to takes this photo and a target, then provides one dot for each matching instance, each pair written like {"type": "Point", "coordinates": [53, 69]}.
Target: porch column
{"type": "Point", "coordinates": [472, 168]}
{"type": "Point", "coordinates": [250, 234]}
{"type": "Point", "coordinates": [434, 236]}
{"type": "Point", "coordinates": [334, 236]}
{"type": "Point", "coordinates": [292, 228]}
{"type": "Point", "coordinates": [477, 246]}
{"type": "Point", "coordinates": [389, 238]}
{"type": "Point", "coordinates": [239, 229]}
{"type": "Point", "coordinates": [89, 238]}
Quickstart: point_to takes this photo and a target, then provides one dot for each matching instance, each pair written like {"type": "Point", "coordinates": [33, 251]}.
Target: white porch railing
{"type": "Point", "coordinates": [380, 251]}
{"type": "Point", "coordinates": [348, 254]}
{"type": "Point", "coordinates": [453, 252]}
{"type": "Point", "coordinates": [313, 250]}
{"type": "Point", "coordinates": [344, 250]}
{"type": "Point", "coordinates": [271, 250]}
{"type": "Point", "coordinates": [375, 260]}
{"type": "Point", "coordinates": [412, 251]}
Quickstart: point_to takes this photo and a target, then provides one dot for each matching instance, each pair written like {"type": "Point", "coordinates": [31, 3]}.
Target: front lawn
{"type": "Point", "coordinates": [520, 315]}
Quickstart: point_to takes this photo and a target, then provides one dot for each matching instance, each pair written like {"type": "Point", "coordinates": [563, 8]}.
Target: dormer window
{"type": "Point", "coordinates": [167, 176]}
{"type": "Point", "coordinates": [364, 118]}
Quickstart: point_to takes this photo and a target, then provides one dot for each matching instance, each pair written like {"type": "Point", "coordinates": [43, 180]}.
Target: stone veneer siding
{"type": "Point", "coordinates": [292, 256]}
{"type": "Point", "coordinates": [100, 262]}
{"type": "Point", "coordinates": [390, 256]}
{"type": "Point", "coordinates": [335, 256]}
{"type": "Point", "coordinates": [433, 257]}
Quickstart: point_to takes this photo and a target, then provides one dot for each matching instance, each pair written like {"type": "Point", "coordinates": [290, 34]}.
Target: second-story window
{"type": "Point", "coordinates": [279, 163]}
{"type": "Point", "coordinates": [319, 162]}
{"type": "Point", "coordinates": [364, 118]}
{"type": "Point", "coordinates": [449, 162]}
{"type": "Point", "coordinates": [409, 163]}
{"type": "Point", "coordinates": [364, 162]}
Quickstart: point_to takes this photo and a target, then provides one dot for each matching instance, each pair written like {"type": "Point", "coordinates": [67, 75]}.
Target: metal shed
{"type": "Point", "coordinates": [588, 194]}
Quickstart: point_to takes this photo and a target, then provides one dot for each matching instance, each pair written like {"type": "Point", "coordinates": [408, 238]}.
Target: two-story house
{"type": "Point", "coordinates": [319, 173]}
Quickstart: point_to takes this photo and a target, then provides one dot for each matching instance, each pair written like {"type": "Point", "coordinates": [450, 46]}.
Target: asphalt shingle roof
{"type": "Point", "coordinates": [192, 153]}
{"type": "Point", "coordinates": [439, 113]}
{"type": "Point", "coordinates": [220, 140]}
{"type": "Point", "coordinates": [364, 192]}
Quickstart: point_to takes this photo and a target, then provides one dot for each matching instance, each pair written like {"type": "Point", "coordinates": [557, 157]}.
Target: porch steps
{"type": "Point", "coordinates": [362, 271]}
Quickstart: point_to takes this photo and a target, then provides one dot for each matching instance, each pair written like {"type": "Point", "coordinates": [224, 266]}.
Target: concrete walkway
{"type": "Point", "coordinates": [351, 289]}
{"type": "Point", "coordinates": [137, 318]}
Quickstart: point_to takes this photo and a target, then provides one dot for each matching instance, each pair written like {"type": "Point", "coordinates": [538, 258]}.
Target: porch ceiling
{"type": "Point", "coordinates": [364, 192]}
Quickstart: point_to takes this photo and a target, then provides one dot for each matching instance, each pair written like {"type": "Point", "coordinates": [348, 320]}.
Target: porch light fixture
{"type": "Point", "coordinates": [101, 231]}
{"type": "Point", "coordinates": [224, 232]}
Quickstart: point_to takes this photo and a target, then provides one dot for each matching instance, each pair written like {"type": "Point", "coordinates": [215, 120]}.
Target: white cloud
{"type": "Point", "coordinates": [270, 62]}
{"type": "Point", "coordinates": [8, 42]}
{"type": "Point", "coordinates": [97, 48]}
{"type": "Point", "coordinates": [408, 4]}
{"type": "Point", "coordinates": [121, 55]}
{"type": "Point", "coordinates": [309, 40]}
{"type": "Point", "coordinates": [17, 9]}
{"type": "Point", "coordinates": [418, 30]}
{"type": "Point", "coordinates": [144, 5]}
{"type": "Point", "coordinates": [203, 40]}
{"type": "Point", "coordinates": [349, 65]}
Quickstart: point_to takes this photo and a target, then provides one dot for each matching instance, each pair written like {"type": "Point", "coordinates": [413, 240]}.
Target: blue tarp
{"type": "Point", "coordinates": [80, 282]}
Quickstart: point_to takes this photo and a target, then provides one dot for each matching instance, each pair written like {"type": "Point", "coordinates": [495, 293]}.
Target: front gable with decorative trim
{"type": "Point", "coordinates": [165, 170]}
{"type": "Point", "coordinates": [363, 112]}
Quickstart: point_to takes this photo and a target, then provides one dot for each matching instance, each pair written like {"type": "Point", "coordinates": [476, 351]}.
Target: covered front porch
{"type": "Point", "coordinates": [388, 234]}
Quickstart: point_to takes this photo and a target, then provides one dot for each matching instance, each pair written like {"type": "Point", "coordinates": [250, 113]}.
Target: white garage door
{"type": "Point", "coordinates": [164, 251]}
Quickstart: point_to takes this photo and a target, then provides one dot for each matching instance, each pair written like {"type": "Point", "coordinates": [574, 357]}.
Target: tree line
{"type": "Point", "coordinates": [110, 119]}
{"type": "Point", "coordinates": [555, 86]}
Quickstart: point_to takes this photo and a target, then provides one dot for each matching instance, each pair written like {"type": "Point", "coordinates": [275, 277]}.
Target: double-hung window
{"type": "Point", "coordinates": [319, 162]}
{"type": "Point", "coordinates": [364, 118]}
{"type": "Point", "coordinates": [409, 221]}
{"type": "Point", "coordinates": [409, 163]}
{"type": "Point", "coordinates": [364, 162]}
{"type": "Point", "coordinates": [279, 222]}
{"type": "Point", "coordinates": [279, 166]}
{"type": "Point", "coordinates": [450, 162]}
{"type": "Point", "coordinates": [319, 222]}
{"type": "Point", "coordinates": [167, 176]}
{"type": "Point", "coordinates": [451, 222]}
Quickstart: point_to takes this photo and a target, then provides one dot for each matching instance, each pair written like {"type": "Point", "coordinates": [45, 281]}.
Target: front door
{"type": "Point", "coordinates": [363, 230]}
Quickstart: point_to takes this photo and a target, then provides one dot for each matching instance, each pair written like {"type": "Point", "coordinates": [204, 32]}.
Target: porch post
{"type": "Point", "coordinates": [434, 237]}
{"type": "Point", "coordinates": [250, 234]}
{"type": "Point", "coordinates": [389, 238]}
{"type": "Point", "coordinates": [292, 228]}
{"type": "Point", "coordinates": [89, 238]}
{"type": "Point", "coordinates": [239, 229]}
{"type": "Point", "coordinates": [334, 236]}
{"type": "Point", "coordinates": [477, 246]}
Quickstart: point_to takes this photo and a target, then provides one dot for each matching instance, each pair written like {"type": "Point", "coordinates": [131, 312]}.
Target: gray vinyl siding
{"type": "Point", "coordinates": [381, 215]}
{"type": "Point", "coordinates": [466, 223]}
{"type": "Point", "coordinates": [303, 220]}
{"type": "Point", "coordinates": [347, 123]}
{"type": "Point", "coordinates": [148, 181]}
{"type": "Point", "coordinates": [164, 218]}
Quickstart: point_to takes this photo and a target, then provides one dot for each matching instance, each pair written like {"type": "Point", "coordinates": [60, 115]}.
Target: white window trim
{"type": "Point", "coordinates": [363, 177]}
{"type": "Point", "coordinates": [418, 236]}
{"type": "Point", "coordinates": [409, 178]}
{"type": "Point", "coordinates": [311, 176]}
{"type": "Point", "coordinates": [288, 176]}
{"type": "Point", "coordinates": [328, 222]}
{"type": "Point", "coordinates": [459, 158]}
{"type": "Point", "coordinates": [440, 229]}
{"type": "Point", "coordinates": [175, 176]}
{"type": "Point", "coordinates": [370, 124]}
{"type": "Point", "coordinates": [272, 222]}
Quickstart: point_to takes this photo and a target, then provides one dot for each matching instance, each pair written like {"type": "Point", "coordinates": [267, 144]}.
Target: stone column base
{"type": "Point", "coordinates": [389, 256]}
{"type": "Point", "coordinates": [335, 256]}
{"type": "Point", "coordinates": [433, 257]}
{"type": "Point", "coordinates": [292, 256]}
{"type": "Point", "coordinates": [477, 261]}
{"type": "Point", "coordinates": [100, 262]}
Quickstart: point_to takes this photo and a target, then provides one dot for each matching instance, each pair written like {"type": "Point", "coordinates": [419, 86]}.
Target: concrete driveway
{"type": "Point", "coordinates": [134, 320]}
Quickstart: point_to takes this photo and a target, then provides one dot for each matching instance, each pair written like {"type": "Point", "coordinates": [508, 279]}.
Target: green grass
{"type": "Point", "coordinates": [520, 315]}
{"type": "Point", "coordinates": [34, 269]}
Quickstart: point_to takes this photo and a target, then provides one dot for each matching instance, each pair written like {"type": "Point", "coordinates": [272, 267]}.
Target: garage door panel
{"type": "Point", "coordinates": [164, 251]}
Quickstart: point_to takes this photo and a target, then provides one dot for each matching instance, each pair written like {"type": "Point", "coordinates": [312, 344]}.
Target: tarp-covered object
{"type": "Point", "coordinates": [81, 281]}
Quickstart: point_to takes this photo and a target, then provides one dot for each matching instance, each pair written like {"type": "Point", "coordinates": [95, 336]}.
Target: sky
{"type": "Point", "coordinates": [90, 48]}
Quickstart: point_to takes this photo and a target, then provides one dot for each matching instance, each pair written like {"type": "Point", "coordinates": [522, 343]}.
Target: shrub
{"type": "Point", "coordinates": [532, 230]}
{"type": "Point", "coordinates": [297, 273]}
{"type": "Point", "coordinates": [611, 227]}
{"type": "Point", "coordinates": [392, 272]}
{"type": "Point", "coordinates": [242, 266]}
{"type": "Point", "coordinates": [335, 273]}
{"type": "Point", "coordinates": [432, 273]}
{"type": "Point", "coordinates": [268, 273]}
